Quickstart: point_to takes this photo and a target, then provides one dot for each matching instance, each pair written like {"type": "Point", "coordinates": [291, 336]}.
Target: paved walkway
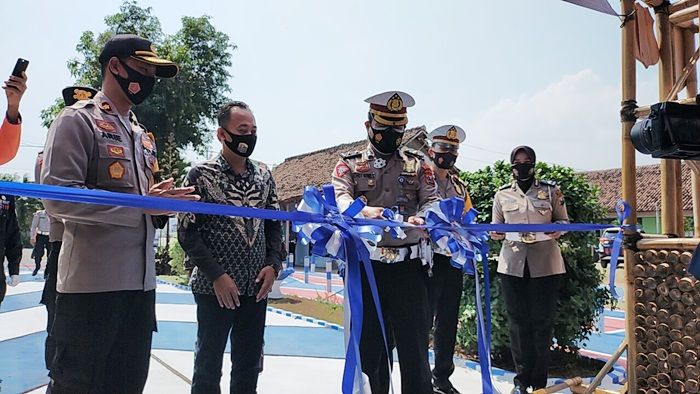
{"type": "Point", "coordinates": [302, 355]}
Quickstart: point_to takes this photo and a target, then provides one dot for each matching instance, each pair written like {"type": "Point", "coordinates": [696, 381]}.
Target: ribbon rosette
{"type": "Point", "coordinates": [348, 237]}
{"type": "Point", "coordinates": [445, 224]}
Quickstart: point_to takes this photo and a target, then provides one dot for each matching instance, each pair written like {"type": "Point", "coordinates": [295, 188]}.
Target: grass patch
{"type": "Point", "coordinates": [318, 309]}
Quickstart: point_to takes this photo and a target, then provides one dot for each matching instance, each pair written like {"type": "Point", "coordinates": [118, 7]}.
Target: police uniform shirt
{"type": "Point", "coordinates": [55, 225]}
{"type": "Point", "coordinates": [105, 248]}
{"type": "Point", "coordinates": [40, 223]}
{"type": "Point", "coordinates": [402, 182]}
{"type": "Point", "coordinates": [543, 203]}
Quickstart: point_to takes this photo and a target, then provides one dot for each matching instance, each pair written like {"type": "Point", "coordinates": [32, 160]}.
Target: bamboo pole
{"type": "Point", "coordinates": [643, 111]}
{"type": "Point", "coordinates": [684, 15]}
{"type": "Point", "coordinates": [681, 72]}
{"type": "Point", "coordinates": [688, 244]}
{"type": "Point", "coordinates": [629, 182]}
{"type": "Point", "coordinates": [680, 5]}
{"type": "Point", "coordinates": [668, 178]}
{"type": "Point", "coordinates": [692, 91]}
{"type": "Point", "coordinates": [567, 384]}
{"type": "Point", "coordinates": [608, 365]}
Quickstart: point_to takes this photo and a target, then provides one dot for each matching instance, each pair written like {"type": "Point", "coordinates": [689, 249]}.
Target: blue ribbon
{"type": "Point", "coordinates": [351, 236]}
{"type": "Point", "coordinates": [341, 238]}
{"type": "Point", "coordinates": [446, 224]}
{"type": "Point", "coordinates": [623, 211]}
{"type": "Point", "coordinates": [285, 273]}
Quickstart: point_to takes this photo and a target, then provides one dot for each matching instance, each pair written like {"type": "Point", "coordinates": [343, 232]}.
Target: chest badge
{"type": "Point", "coordinates": [409, 167]}
{"type": "Point", "coordinates": [541, 195]}
{"type": "Point", "coordinates": [362, 166]}
{"type": "Point", "coordinates": [107, 126]}
{"type": "Point", "coordinates": [115, 151]}
{"type": "Point", "coordinates": [116, 170]}
{"type": "Point", "coordinates": [379, 163]}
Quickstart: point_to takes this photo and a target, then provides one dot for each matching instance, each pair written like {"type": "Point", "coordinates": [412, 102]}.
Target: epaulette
{"type": "Point", "coordinates": [548, 183]}
{"type": "Point", "coordinates": [351, 155]}
{"type": "Point", "coordinates": [456, 178]}
{"type": "Point", "coordinates": [413, 153]}
{"type": "Point", "coordinates": [506, 186]}
{"type": "Point", "coordinates": [82, 104]}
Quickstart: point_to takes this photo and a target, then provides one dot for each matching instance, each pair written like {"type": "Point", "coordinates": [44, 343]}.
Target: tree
{"type": "Point", "coordinates": [582, 299]}
{"type": "Point", "coordinates": [184, 105]}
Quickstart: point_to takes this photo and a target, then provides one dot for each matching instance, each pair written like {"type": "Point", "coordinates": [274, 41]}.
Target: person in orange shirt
{"type": "Point", "coordinates": [11, 125]}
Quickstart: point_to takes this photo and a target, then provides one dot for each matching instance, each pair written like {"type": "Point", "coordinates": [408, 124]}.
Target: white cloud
{"type": "Point", "coordinates": [573, 122]}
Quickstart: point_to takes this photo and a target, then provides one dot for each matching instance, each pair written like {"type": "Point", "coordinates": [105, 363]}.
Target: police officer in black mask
{"type": "Point", "coordinates": [530, 267]}
{"type": "Point", "coordinates": [446, 281]}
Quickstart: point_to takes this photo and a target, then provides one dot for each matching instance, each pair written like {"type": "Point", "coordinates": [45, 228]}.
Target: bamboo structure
{"type": "Point", "coordinates": [663, 301]}
{"type": "Point", "coordinates": [629, 177]}
{"type": "Point", "coordinates": [669, 186]}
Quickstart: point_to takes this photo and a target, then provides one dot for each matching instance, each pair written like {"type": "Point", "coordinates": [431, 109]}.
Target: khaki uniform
{"type": "Point", "coordinates": [105, 248]}
{"type": "Point", "coordinates": [453, 186]}
{"type": "Point", "coordinates": [404, 183]}
{"type": "Point", "coordinates": [543, 203]}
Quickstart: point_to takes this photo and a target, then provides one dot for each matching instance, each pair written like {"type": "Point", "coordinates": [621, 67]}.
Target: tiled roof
{"type": "Point", "coordinates": [609, 182]}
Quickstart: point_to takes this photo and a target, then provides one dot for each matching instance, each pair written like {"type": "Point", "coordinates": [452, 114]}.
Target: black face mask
{"type": "Point", "coordinates": [523, 171]}
{"type": "Point", "coordinates": [136, 86]}
{"type": "Point", "coordinates": [445, 160]}
{"type": "Point", "coordinates": [386, 140]}
{"type": "Point", "coordinates": [242, 145]}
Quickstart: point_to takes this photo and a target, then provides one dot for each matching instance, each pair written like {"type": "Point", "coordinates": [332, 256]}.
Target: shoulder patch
{"type": "Point", "coordinates": [351, 155]}
{"type": "Point", "coordinates": [82, 104]}
{"type": "Point", "coordinates": [413, 153]}
{"type": "Point", "coordinates": [457, 179]}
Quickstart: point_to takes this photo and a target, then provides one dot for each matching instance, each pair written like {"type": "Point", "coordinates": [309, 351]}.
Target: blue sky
{"type": "Point", "coordinates": [543, 73]}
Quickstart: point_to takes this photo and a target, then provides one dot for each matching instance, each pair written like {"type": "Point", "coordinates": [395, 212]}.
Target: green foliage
{"type": "Point", "coordinates": [177, 259]}
{"type": "Point", "coordinates": [183, 106]}
{"type": "Point", "coordinates": [581, 297]}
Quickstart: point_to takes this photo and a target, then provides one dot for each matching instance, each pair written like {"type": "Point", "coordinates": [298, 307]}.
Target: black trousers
{"type": "Point", "coordinates": [245, 326]}
{"type": "Point", "coordinates": [3, 284]}
{"type": "Point", "coordinates": [445, 292]}
{"type": "Point", "coordinates": [103, 342]}
{"type": "Point", "coordinates": [403, 296]}
{"type": "Point", "coordinates": [42, 243]}
{"type": "Point", "coordinates": [530, 307]}
{"type": "Point", "coordinates": [48, 298]}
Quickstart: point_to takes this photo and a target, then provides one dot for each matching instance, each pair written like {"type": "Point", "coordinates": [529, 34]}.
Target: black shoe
{"type": "Point", "coordinates": [36, 270]}
{"type": "Point", "coordinates": [444, 387]}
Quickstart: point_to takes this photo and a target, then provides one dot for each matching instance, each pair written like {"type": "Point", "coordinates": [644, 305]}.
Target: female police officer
{"type": "Point", "coordinates": [530, 267]}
